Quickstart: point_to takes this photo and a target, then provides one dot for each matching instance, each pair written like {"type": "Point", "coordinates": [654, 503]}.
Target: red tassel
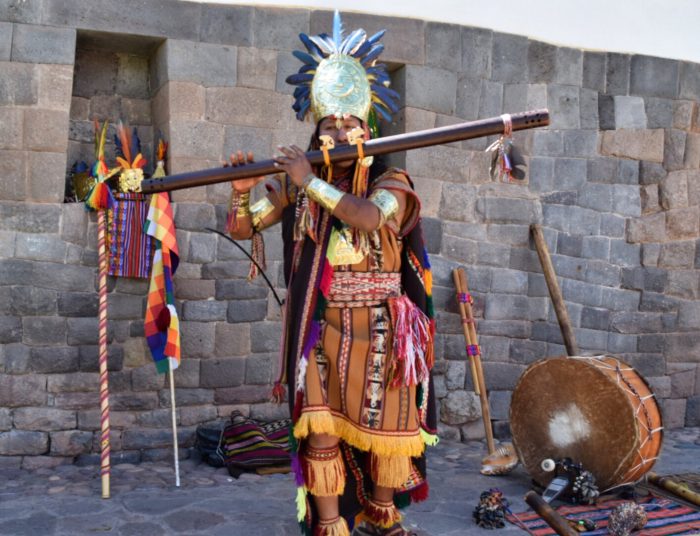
{"type": "Point", "coordinates": [278, 392]}
{"type": "Point", "coordinates": [325, 285]}
{"type": "Point", "coordinates": [420, 493]}
{"type": "Point", "coordinates": [297, 405]}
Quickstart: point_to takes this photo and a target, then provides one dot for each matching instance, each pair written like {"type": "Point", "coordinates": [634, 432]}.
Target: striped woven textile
{"type": "Point", "coordinates": [248, 445]}
{"type": "Point", "coordinates": [130, 249]}
{"type": "Point", "coordinates": [161, 325]}
{"type": "Point", "coordinates": [664, 517]}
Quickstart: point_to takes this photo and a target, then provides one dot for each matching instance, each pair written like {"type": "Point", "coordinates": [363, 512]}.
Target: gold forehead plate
{"type": "Point", "coordinates": [340, 87]}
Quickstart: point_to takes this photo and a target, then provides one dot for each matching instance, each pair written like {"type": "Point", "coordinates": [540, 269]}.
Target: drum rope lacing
{"type": "Point", "coordinates": [630, 389]}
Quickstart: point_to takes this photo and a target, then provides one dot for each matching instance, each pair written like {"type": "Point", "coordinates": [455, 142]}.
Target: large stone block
{"type": "Point", "coordinates": [659, 112]}
{"type": "Point", "coordinates": [656, 77]}
{"type": "Point", "coordinates": [459, 407]}
{"type": "Point", "coordinates": [23, 443]}
{"type": "Point", "coordinates": [692, 413]}
{"type": "Point", "coordinates": [204, 310]}
{"type": "Point", "coordinates": [230, 25]}
{"type": "Point", "coordinates": [260, 368]}
{"type": "Point", "coordinates": [682, 223]}
{"type": "Point", "coordinates": [43, 330]}
{"type": "Point", "coordinates": [198, 339]}
{"type": "Point", "coordinates": [617, 74]}
{"type": "Point", "coordinates": [265, 337]}
{"type": "Point", "coordinates": [689, 81]}
{"type": "Point", "coordinates": [563, 104]}
{"type": "Point", "coordinates": [26, 300]}
{"type": "Point", "coordinates": [509, 58]}
{"type": "Point", "coordinates": [491, 99]}
{"type": "Point", "coordinates": [196, 139]}
{"type": "Point", "coordinates": [629, 112]}
{"type": "Point", "coordinates": [443, 46]}
{"type": "Point", "coordinates": [674, 149]}
{"type": "Point", "coordinates": [43, 44]}
{"type": "Point", "coordinates": [47, 419]}
{"type": "Point", "coordinates": [476, 52]}
{"type": "Point", "coordinates": [209, 65]}
{"type": "Point", "coordinates": [583, 143]}
{"type": "Point", "coordinates": [249, 107]}
{"type": "Point", "coordinates": [243, 394]}
{"type": "Point", "coordinates": [541, 61]}
{"type": "Point", "coordinates": [509, 210]}
{"type": "Point", "coordinates": [569, 66]}
{"type": "Point", "coordinates": [257, 68]}
{"type": "Point", "coordinates": [54, 359]}
{"type": "Point", "coordinates": [46, 130]}
{"type": "Point", "coordinates": [5, 41]}
{"type": "Point", "coordinates": [10, 329]}
{"type": "Point", "coordinates": [677, 254]}
{"type": "Point", "coordinates": [232, 339]}
{"type": "Point", "coordinates": [25, 390]}
{"type": "Point", "coordinates": [45, 176]}
{"type": "Point", "coordinates": [428, 88]}
{"type": "Point", "coordinates": [18, 84]}
{"type": "Point", "coordinates": [588, 104]}
{"type": "Point", "coordinates": [674, 190]}
{"type": "Point", "coordinates": [12, 170]}
{"type": "Point", "coordinates": [156, 18]}
{"type": "Point", "coordinates": [634, 143]}
{"type": "Point", "coordinates": [458, 202]}
{"type": "Point", "coordinates": [11, 134]}
{"type": "Point", "coordinates": [594, 67]}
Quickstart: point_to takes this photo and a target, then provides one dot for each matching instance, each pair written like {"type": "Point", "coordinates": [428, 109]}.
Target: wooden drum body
{"type": "Point", "coordinates": [595, 410]}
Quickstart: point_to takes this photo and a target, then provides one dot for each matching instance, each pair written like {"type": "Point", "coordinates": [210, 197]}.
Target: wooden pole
{"type": "Point", "coordinates": [558, 524]}
{"type": "Point", "coordinates": [388, 144]}
{"type": "Point", "coordinates": [550, 277]}
{"type": "Point", "coordinates": [677, 488]}
{"type": "Point", "coordinates": [469, 329]}
{"type": "Point", "coordinates": [104, 383]}
{"type": "Point", "coordinates": [171, 380]}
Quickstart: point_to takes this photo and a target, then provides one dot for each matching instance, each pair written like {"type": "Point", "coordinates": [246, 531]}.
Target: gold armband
{"type": "Point", "coordinates": [259, 211]}
{"type": "Point", "coordinates": [387, 204]}
{"type": "Point", "coordinates": [324, 194]}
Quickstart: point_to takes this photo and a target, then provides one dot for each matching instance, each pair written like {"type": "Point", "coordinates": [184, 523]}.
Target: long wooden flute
{"type": "Point", "coordinates": [388, 144]}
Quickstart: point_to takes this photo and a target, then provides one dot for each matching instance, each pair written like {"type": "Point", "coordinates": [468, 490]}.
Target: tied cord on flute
{"type": "Point", "coordinates": [505, 161]}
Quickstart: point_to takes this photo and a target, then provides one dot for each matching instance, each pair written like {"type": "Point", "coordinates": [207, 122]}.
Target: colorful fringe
{"type": "Point", "coordinates": [99, 197]}
{"type": "Point", "coordinates": [390, 471]}
{"type": "Point", "coordinates": [412, 353]}
{"type": "Point", "coordinates": [324, 472]}
{"type": "Point", "coordinates": [332, 527]}
{"type": "Point", "coordinates": [381, 514]}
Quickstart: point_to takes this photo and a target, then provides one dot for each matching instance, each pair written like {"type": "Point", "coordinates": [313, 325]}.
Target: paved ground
{"type": "Point", "coordinates": [145, 502]}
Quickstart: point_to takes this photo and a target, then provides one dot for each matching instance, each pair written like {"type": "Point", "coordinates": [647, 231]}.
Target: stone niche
{"type": "Point", "coordinates": [112, 81]}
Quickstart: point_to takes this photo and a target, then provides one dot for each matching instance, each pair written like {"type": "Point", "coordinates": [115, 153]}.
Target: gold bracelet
{"type": "Point", "coordinates": [240, 203]}
{"type": "Point", "coordinates": [259, 211]}
{"type": "Point", "coordinates": [324, 194]}
{"type": "Point", "coordinates": [387, 204]}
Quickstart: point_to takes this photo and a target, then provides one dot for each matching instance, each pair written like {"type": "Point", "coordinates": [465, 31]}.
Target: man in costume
{"type": "Point", "coordinates": [357, 347]}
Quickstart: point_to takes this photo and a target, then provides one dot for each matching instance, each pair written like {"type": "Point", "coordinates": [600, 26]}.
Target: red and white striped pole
{"type": "Point", "coordinates": [104, 384]}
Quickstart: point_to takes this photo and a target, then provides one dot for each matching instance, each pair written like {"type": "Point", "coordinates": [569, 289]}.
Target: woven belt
{"type": "Point", "coordinates": [363, 289]}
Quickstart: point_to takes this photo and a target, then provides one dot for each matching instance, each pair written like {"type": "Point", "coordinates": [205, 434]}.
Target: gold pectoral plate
{"type": "Point", "coordinates": [341, 249]}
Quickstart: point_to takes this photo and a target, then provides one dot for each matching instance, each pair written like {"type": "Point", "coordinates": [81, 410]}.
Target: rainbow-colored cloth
{"type": "Point", "coordinates": [162, 326]}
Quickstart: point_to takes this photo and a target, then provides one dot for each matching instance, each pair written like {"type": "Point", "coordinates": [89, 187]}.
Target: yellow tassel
{"type": "Point", "coordinates": [429, 439]}
{"type": "Point", "coordinates": [301, 503]}
{"type": "Point", "coordinates": [323, 422]}
{"type": "Point", "coordinates": [390, 471]}
{"type": "Point", "coordinates": [324, 472]}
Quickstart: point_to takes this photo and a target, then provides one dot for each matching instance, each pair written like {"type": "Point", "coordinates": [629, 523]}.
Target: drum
{"type": "Point", "coordinates": [595, 410]}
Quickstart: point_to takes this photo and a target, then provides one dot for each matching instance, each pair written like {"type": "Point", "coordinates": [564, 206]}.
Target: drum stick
{"type": "Point", "coordinates": [550, 277]}
{"type": "Point", "coordinates": [677, 488]}
{"type": "Point", "coordinates": [475, 361]}
{"type": "Point", "coordinates": [557, 523]}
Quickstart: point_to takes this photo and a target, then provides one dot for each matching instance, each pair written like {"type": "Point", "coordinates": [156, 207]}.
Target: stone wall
{"type": "Point", "coordinates": [613, 181]}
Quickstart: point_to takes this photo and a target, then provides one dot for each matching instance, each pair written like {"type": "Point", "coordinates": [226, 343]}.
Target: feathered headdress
{"type": "Point", "coordinates": [340, 76]}
{"type": "Point", "coordinates": [129, 158]}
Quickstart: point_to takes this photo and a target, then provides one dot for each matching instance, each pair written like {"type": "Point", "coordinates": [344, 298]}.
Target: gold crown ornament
{"type": "Point", "coordinates": [340, 76]}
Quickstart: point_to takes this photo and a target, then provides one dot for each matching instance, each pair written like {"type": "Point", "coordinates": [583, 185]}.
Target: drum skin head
{"type": "Point", "coordinates": [565, 407]}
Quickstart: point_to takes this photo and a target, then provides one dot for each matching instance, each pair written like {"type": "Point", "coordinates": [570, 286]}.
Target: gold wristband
{"type": "Point", "coordinates": [387, 204]}
{"type": "Point", "coordinates": [260, 209]}
{"type": "Point", "coordinates": [241, 202]}
{"type": "Point", "coordinates": [324, 194]}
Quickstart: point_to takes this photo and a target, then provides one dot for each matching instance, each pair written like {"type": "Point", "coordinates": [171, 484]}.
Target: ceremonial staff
{"type": "Point", "coordinates": [388, 144]}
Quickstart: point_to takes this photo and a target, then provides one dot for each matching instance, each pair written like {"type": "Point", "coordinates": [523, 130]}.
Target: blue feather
{"type": "Point", "coordinates": [324, 43]}
{"type": "Point", "coordinates": [301, 91]}
{"type": "Point", "coordinates": [304, 107]}
{"type": "Point", "coordinates": [379, 108]}
{"type": "Point", "coordinates": [362, 50]}
{"type": "Point", "coordinates": [337, 31]}
{"type": "Point", "coordinates": [376, 37]}
{"type": "Point", "coordinates": [353, 41]}
{"type": "Point", "coordinates": [307, 59]}
{"type": "Point", "coordinates": [373, 54]}
{"type": "Point", "coordinates": [299, 78]}
{"type": "Point", "coordinates": [310, 45]}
